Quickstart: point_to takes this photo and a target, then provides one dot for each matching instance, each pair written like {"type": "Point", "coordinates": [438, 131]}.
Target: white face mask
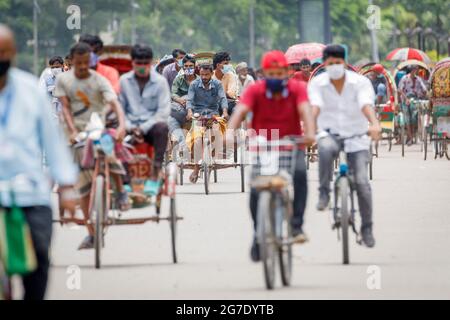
{"type": "Point", "coordinates": [335, 71]}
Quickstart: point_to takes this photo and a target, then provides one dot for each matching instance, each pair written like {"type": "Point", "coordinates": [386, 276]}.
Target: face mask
{"type": "Point", "coordinates": [4, 67]}
{"type": "Point", "coordinates": [56, 71]}
{"type": "Point", "coordinates": [335, 71]}
{"type": "Point", "coordinates": [275, 85]}
{"type": "Point", "coordinates": [227, 68]}
{"type": "Point", "coordinates": [180, 63]}
{"type": "Point", "coordinates": [189, 71]}
{"type": "Point", "coordinates": [142, 70]}
{"type": "Point", "coordinates": [93, 60]}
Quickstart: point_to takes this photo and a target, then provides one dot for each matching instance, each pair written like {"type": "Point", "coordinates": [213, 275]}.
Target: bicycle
{"type": "Point", "coordinates": [272, 177]}
{"type": "Point", "coordinates": [209, 165]}
{"type": "Point", "coordinates": [344, 205]}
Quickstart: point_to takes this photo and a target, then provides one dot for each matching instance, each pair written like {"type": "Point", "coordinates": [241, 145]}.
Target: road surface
{"type": "Point", "coordinates": [410, 261]}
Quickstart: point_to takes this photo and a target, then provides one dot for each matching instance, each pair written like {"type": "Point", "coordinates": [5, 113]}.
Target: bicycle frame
{"type": "Point", "coordinates": [344, 173]}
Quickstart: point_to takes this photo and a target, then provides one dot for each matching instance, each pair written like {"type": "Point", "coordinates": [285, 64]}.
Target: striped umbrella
{"type": "Point", "coordinates": [403, 54]}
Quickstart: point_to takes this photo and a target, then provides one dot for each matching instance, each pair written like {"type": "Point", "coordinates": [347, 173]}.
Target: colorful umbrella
{"type": "Point", "coordinates": [312, 51]}
{"type": "Point", "coordinates": [403, 54]}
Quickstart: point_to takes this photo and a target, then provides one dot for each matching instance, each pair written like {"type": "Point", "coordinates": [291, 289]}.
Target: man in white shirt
{"type": "Point", "coordinates": [342, 103]}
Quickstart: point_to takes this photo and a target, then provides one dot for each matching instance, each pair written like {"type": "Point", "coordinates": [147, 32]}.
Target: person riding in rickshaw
{"type": "Point", "coordinates": [224, 72]}
{"type": "Point", "coordinates": [145, 97]}
{"type": "Point", "coordinates": [206, 96]}
{"type": "Point", "coordinates": [178, 113]}
{"type": "Point", "coordinates": [411, 87]}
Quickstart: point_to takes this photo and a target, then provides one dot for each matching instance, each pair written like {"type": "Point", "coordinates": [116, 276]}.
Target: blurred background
{"type": "Point", "coordinates": [245, 28]}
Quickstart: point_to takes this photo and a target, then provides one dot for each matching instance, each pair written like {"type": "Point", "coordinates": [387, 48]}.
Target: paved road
{"type": "Point", "coordinates": [412, 228]}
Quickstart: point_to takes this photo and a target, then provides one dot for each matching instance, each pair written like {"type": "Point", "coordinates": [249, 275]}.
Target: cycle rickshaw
{"type": "Point", "coordinates": [103, 211]}
{"type": "Point", "coordinates": [419, 107]}
{"type": "Point", "coordinates": [439, 128]}
{"type": "Point", "coordinates": [208, 164]}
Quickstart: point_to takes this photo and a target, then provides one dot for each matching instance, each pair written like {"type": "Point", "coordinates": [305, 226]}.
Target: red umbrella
{"type": "Point", "coordinates": [403, 54]}
{"type": "Point", "coordinates": [311, 51]}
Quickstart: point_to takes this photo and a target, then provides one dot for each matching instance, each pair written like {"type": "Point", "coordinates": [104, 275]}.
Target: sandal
{"type": "Point", "coordinates": [193, 178]}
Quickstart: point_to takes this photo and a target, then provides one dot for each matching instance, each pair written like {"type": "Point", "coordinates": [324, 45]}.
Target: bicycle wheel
{"type": "Point", "coordinates": [266, 239]}
{"type": "Point", "coordinates": [445, 146]}
{"type": "Point", "coordinates": [390, 137]}
{"type": "Point", "coordinates": [402, 137]}
{"type": "Point", "coordinates": [173, 229]}
{"type": "Point", "coordinates": [284, 236]}
{"type": "Point", "coordinates": [99, 215]}
{"type": "Point", "coordinates": [206, 177]}
{"type": "Point", "coordinates": [371, 164]}
{"type": "Point", "coordinates": [344, 191]}
{"type": "Point", "coordinates": [181, 174]}
{"type": "Point", "coordinates": [425, 146]}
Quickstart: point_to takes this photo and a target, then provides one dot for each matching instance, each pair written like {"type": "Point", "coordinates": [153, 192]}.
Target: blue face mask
{"type": "Point", "coordinates": [189, 71]}
{"type": "Point", "coordinates": [227, 68]}
{"type": "Point", "coordinates": [93, 60]}
{"type": "Point", "coordinates": [275, 85]}
{"type": "Point", "coordinates": [180, 63]}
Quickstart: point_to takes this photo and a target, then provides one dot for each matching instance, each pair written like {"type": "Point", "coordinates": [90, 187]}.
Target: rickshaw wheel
{"type": "Point", "coordinates": [173, 229]}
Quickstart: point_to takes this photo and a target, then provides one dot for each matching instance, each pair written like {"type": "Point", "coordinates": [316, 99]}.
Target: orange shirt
{"type": "Point", "coordinates": [111, 74]}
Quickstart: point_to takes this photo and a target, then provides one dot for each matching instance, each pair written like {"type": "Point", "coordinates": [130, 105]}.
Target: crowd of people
{"type": "Point", "coordinates": [158, 106]}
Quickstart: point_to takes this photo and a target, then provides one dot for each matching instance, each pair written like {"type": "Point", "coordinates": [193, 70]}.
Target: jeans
{"type": "Point", "coordinates": [39, 219]}
{"type": "Point", "coordinates": [176, 130]}
{"type": "Point", "coordinates": [157, 136]}
{"type": "Point", "coordinates": [300, 195]}
{"type": "Point", "coordinates": [358, 162]}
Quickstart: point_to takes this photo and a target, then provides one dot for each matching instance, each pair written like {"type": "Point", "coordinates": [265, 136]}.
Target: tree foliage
{"type": "Point", "coordinates": [198, 25]}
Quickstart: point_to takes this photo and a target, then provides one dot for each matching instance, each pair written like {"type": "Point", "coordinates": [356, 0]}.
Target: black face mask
{"type": "Point", "coordinates": [4, 67]}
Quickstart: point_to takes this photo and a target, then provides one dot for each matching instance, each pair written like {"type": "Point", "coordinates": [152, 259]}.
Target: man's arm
{"type": "Point", "coordinates": [117, 109]}
{"type": "Point", "coordinates": [306, 114]}
{"type": "Point", "coordinates": [238, 116]}
{"type": "Point", "coordinates": [175, 89]}
{"type": "Point", "coordinates": [68, 118]}
{"type": "Point", "coordinates": [223, 102]}
{"type": "Point", "coordinates": [190, 101]}
{"type": "Point", "coordinates": [123, 100]}
{"type": "Point", "coordinates": [230, 85]}
{"type": "Point", "coordinates": [163, 109]}
{"type": "Point", "coordinates": [375, 128]}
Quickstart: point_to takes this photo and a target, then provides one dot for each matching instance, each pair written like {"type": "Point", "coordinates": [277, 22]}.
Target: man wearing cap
{"type": "Point", "coordinates": [278, 106]}
{"type": "Point", "coordinates": [342, 103]}
{"type": "Point", "coordinates": [245, 80]}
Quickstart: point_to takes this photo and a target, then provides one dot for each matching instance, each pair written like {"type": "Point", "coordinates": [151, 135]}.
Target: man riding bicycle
{"type": "Point", "coordinates": [82, 91]}
{"type": "Point", "coordinates": [342, 103]}
{"type": "Point", "coordinates": [205, 97]}
{"type": "Point", "coordinates": [278, 105]}
{"type": "Point", "coordinates": [145, 97]}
